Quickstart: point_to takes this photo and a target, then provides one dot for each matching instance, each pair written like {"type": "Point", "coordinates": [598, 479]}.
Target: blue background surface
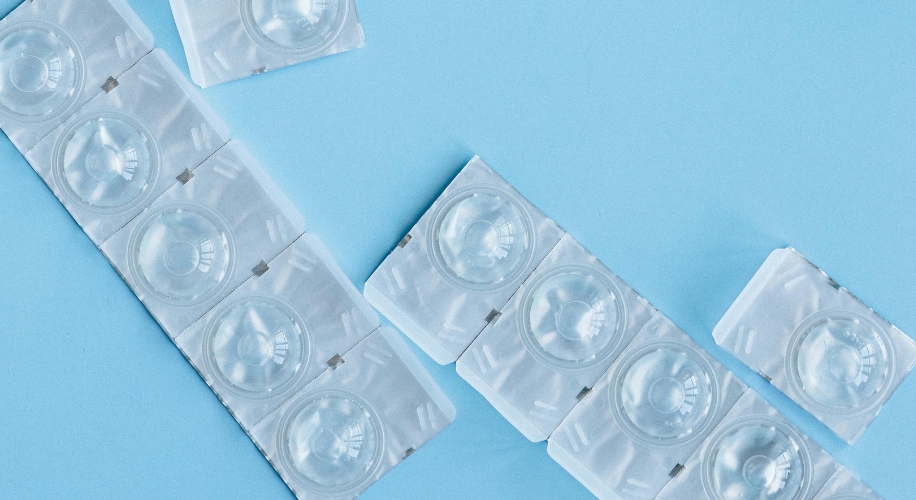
{"type": "Point", "coordinates": [679, 141]}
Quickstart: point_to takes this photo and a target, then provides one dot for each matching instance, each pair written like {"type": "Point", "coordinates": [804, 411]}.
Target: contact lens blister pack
{"type": "Point", "coordinates": [649, 413]}
{"type": "Point", "coordinates": [55, 55]}
{"type": "Point", "coordinates": [753, 453]}
{"type": "Point", "coordinates": [844, 485]}
{"type": "Point", "coordinates": [127, 146]}
{"type": "Point", "coordinates": [554, 339]}
{"type": "Point", "coordinates": [231, 39]}
{"type": "Point", "coordinates": [461, 262]}
{"type": "Point", "coordinates": [353, 424]}
{"type": "Point", "coordinates": [817, 343]}
{"type": "Point", "coordinates": [278, 331]}
{"type": "Point", "coordinates": [204, 237]}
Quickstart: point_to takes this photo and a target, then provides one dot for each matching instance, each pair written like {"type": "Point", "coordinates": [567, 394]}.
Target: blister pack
{"type": "Point", "coordinates": [844, 485]}
{"type": "Point", "coordinates": [649, 413]}
{"type": "Point", "coordinates": [232, 39]}
{"type": "Point", "coordinates": [753, 453]}
{"type": "Point", "coordinates": [817, 343]}
{"type": "Point", "coordinates": [127, 146]}
{"type": "Point", "coordinates": [353, 424]}
{"type": "Point", "coordinates": [204, 237]}
{"type": "Point", "coordinates": [278, 331]}
{"type": "Point", "coordinates": [554, 339]}
{"type": "Point", "coordinates": [55, 55]}
{"type": "Point", "coordinates": [461, 262]}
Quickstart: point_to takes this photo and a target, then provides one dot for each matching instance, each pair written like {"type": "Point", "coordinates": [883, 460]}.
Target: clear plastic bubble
{"type": "Point", "coordinates": [296, 26]}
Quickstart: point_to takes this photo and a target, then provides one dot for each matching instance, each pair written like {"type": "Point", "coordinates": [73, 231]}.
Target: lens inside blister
{"type": "Point", "coordinates": [332, 440]}
{"type": "Point", "coordinates": [256, 346]}
{"type": "Point", "coordinates": [482, 237]}
{"type": "Point", "coordinates": [295, 26]}
{"type": "Point", "coordinates": [573, 315]}
{"type": "Point", "coordinates": [840, 361]}
{"type": "Point", "coordinates": [40, 71]}
{"type": "Point", "coordinates": [664, 393]}
{"type": "Point", "coordinates": [106, 162]}
{"type": "Point", "coordinates": [182, 254]}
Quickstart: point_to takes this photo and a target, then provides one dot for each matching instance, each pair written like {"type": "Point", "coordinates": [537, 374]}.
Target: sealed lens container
{"type": "Point", "coordinates": [204, 237]}
{"type": "Point", "coordinates": [237, 38]}
{"type": "Point", "coordinates": [753, 453]}
{"type": "Point", "coordinates": [278, 331]}
{"type": "Point", "coordinates": [844, 485]}
{"type": "Point", "coordinates": [817, 343]}
{"type": "Point", "coordinates": [55, 55]}
{"type": "Point", "coordinates": [646, 416]}
{"type": "Point", "coordinates": [461, 262]}
{"type": "Point", "coordinates": [354, 423]}
{"type": "Point", "coordinates": [554, 339]}
{"type": "Point", "coordinates": [127, 146]}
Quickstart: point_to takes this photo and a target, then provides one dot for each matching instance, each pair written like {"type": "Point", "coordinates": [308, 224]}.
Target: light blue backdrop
{"type": "Point", "coordinates": [679, 141]}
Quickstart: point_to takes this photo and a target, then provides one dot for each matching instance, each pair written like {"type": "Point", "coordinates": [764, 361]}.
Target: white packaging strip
{"type": "Point", "coordinates": [647, 416]}
{"type": "Point", "coordinates": [817, 343]}
{"type": "Point", "coordinates": [126, 147]}
{"type": "Point", "coordinates": [844, 485]}
{"type": "Point", "coordinates": [202, 239]}
{"type": "Point", "coordinates": [753, 453]}
{"type": "Point", "coordinates": [278, 331]}
{"type": "Point", "coordinates": [461, 262]}
{"type": "Point", "coordinates": [55, 55]}
{"type": "Point", "coordinates": [353, 424]}
{"type": "Point", "coordinates": [554, 339]}
{"type": "Point", "coordinates": [233, 39]}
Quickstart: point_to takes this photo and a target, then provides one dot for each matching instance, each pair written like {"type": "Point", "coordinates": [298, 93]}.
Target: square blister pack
{"type": "Point", "coordinates": [232, 39]}
{"type": "Point", "coordinates": [353, 424]}
{"type": "Point", "coordinates": [126, 146]}
{"type": "Point", "coordinates": [57, 54]}
{"type": "Point", "coordinates": [651, 411]}
{"type": "Point", "coordinates": [204, 237]}
{"type": "Point", "coordinates": [554, 339]}
{"type": "Point", "coordinates": [817, 343]}
{"type": "Point", "coordinates": [844, 485]}
{"type": "Point", "coordinates": [278, 331]}
{"type": "Point", "coordinates": [461, 262]}
{"type": "Point", "coordinates": [753, 453]}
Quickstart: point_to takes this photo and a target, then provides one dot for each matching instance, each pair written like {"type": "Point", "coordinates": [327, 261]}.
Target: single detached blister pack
{"type": "Point", "coordinates": [55, 55]}
{"type": "Point", "coordinates": [353, 424]}
{"type": "Point", "coordinates": [127, 146]}
{"type": "Point", "coordinates": [844, 485]}
{"type": "Point", "coordinates": [817, 343]}
{"type": "Point", "coordinates": [461, 262]}
{"type": "Point", "coordinates": [554, 339]}
{"type": "Point", "coordinates": [649, 414]}
{"type": "Point", "coordinates": [754, 453]}
{"type": "Point", "coordinates": [204, 237]}
{"type": "Point", "coordinates": [278, 331]}
{"type": "Point", "coordinates": [231, 39]}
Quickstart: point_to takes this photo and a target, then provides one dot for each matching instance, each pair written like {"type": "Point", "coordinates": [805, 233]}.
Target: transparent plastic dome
{"type": "Point", "coordinates": [40, 72]}
{"type": "Point", "coordinates": [297, 26]}
{"type": "Point", "coordinates": [257, 346]}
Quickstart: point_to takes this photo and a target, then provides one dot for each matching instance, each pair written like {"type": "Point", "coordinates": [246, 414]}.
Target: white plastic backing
{"type": "Point", "coordinates": [464, 259]}
{"type": "Point", "coordinates": [649, 413]}
{"type": "Point", "coordinates": [277, 331]}
{"type": "Point", "coordinates": [557, 335]}
{"type": "Point", "coordinates": [818, 343]}
{"type": "Point", "coordinates": [353, 424]}
{"type": "Point", "coordinates": [844, 485]}
{"type": "Point", "coordinates": [233, 39]}
{"type": "Point", "coordinates": [200, 240]}
{"type": "Point", "coordinates": [126, 147]}
{"type": "Point", "coordinates": [54, 57]}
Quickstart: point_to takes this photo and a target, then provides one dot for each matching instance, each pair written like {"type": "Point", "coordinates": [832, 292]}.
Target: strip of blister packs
{"type": "Point", "coordinates": [817, 343]}
{"type": "Point", "coordinates": [278, 331]}
{"type": "Point", "coordinates": [461, 262]}
{"type": "Point", "coordinates": [128, 145]}
{"type": "Point", "coordinates": [355, 422]}
{"type": "Point", "coordinates": [554, 339]}
{"type": "Point", "coordinates": [647, 416]}
{"type": "Point", "coordinates": [233, 39]}
{"type": "Point", "coordinates": [753, 453]}
{"type": "Point", "coordinates": [204, 237]}
{"type": "Point", "coordinates": [55, 55]}
{"type": "Point", "coordinates": [844, 485]}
